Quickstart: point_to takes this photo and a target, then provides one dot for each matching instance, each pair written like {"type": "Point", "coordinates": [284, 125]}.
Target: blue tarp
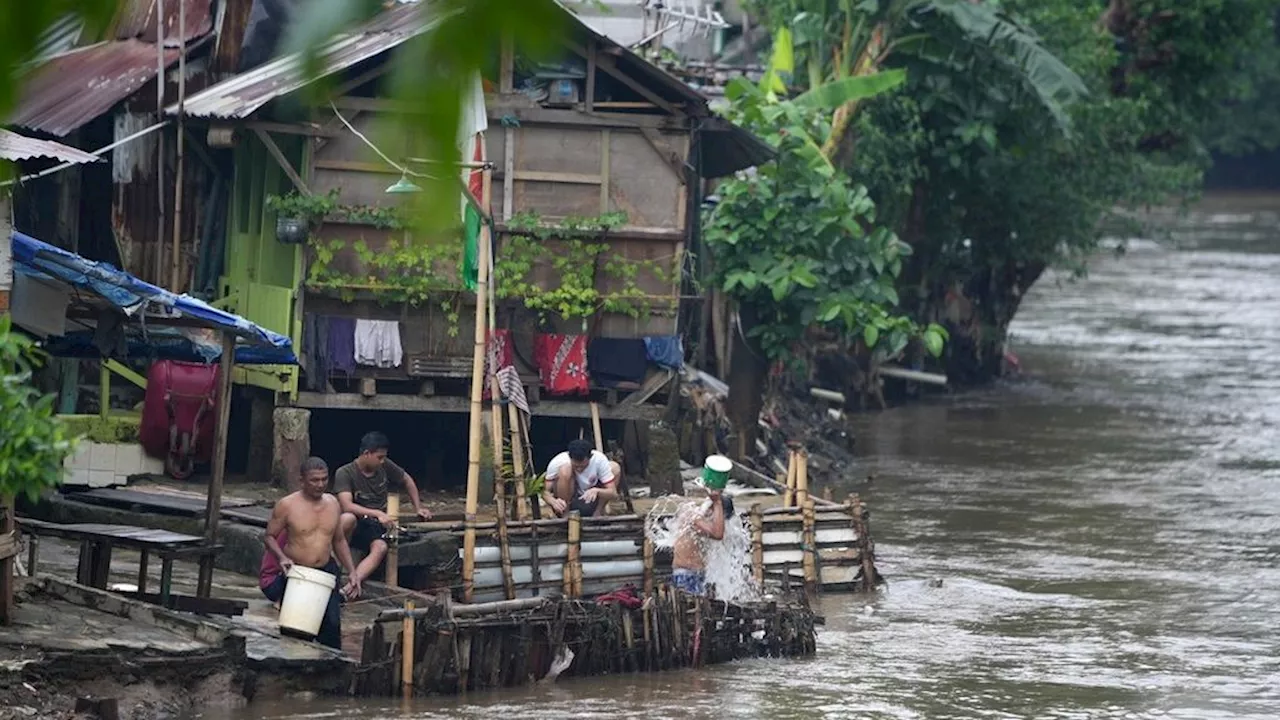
{"type": "Point", "coordinates": [133, 296]}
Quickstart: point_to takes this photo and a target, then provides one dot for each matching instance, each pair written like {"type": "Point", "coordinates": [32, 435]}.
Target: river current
{"type": "Point", "coordinates": [1099, 538]}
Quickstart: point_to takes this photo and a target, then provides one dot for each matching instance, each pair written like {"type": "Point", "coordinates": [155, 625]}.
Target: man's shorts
{"type": "Point", "coordinates": [693, 582]}
{"type": "Point", "coordinates": [365, 532]}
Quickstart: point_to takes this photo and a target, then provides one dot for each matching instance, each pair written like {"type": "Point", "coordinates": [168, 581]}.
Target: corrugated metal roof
{"type": "Point", "coordinates": [20, 147]}
{"type": "Point", "coordinates": [137, 19]}
{"type": "Point", "coordinates": [72, 89]}
{"type": "Point", "coordinates": [59, 37]}
{"type": "Point", "coordinates": [241, 96]}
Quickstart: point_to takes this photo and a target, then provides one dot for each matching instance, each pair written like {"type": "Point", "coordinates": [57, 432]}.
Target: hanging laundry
{"type": "Point", "coordinates": [342, 345]}
{"type": "Point", "coordinates": [513, 387]}
{"type": "Point", "coordinates": [616, 362]}
{"type": "Point", "coordinates": [315, 350]}
{"type": "Point", "coordinates": [562, 363]}
{"type": "Point", "coordinates": [498, 354]}
{"type": "Point", "coordinates": [665, 351]}
{"type": "Point", "coordinates": [377, 343]}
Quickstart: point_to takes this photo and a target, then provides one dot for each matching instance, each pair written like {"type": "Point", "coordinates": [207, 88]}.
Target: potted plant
{"type": "Point", "coordinates": [298, 215]}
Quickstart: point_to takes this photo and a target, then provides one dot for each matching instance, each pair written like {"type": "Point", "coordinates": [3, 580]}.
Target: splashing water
{"type": "Point", "coordinates": [727, 561]}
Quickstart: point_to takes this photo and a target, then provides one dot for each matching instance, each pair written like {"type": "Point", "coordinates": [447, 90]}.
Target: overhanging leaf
{"type": "Point", "coordinates": [832, 95]}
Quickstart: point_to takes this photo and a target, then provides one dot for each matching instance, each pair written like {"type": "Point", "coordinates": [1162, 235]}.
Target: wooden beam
{"type": "Point", "coordinates": [500, 108]}
{"type": "Point", "coordinates": [667, 153]}
{"type": "Point", "coordinates": [454, 404]}
{"type": "Point", "coordinates": [590, 99]}
{"type": "Point", "coordinates": [126, 372]}
{"type": "Point", "coordinates": [213, 507]}
{"type": "Point", "coordinates": [554, 177]}
{"type": "Point", "coordinates": [604, 170]}
{"type": "Point", "coordinates": [308, 129]}
{"type": "Point", "coordinates": [356, 166]}
{"type": "Point", "coordinates": [507, 67]}
{"type": "Point", "coordinates": [650, 388]}
{"type": "Point", "coordinates": [282, 161]}
{"type": "Point", "coordinates": [362, 78]}
{"type": "Point", "coordinates": [508, 173]}
{"type": "Point", "coordinates": [608, 64]}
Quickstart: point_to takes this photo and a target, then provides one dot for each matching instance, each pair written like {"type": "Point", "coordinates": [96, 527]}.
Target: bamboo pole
{"type": "Point", "coordinates": [504, 550]}
{"type": "Point", "coordinates": [573, 565]}
{"type": "Point", "coordinates": [393, 548]}
{"type": "Point", "coordinates": [477, 401]}
{"type": "Point", "coordinates": [789, 496]}
{"type": "Point", "coordinates": [810, 551]}
{"type": "Point", "coordinates": [595, 427]}
{"type": "Point", "coordinates": [648, 571]}
{"type": "Point", "coordinates": [176, 260]}
{"type": "Point", "coordinates": [517, 459]}
{"type": "Point", "coordinates": [802, 477]}
{"type": "Point", "coordinates": [757, 544]}
{"type": "Point", "coordinates": [406, 650]}
{"type": "Point", "coordinates": [213, 504]}
{"type": "Point", "coordinates": [498, 440]}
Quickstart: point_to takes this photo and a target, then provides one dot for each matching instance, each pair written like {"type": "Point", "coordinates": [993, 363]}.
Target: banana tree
{"type": "Point", "coordinates": [839, 40]}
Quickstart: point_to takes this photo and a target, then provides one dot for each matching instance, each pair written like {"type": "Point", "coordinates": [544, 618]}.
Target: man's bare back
{"type": "Point", "coordinates": [311, 525]}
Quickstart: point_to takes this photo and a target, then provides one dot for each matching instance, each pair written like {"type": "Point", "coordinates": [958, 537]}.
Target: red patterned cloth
{"type": "Point", "coordinates": [497, 356]}
{"type": "Point", "coordinates": [562, 362]}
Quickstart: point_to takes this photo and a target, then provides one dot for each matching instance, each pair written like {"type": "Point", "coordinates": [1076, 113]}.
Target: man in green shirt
{"type": "Point", "coordinates": [362, 486]}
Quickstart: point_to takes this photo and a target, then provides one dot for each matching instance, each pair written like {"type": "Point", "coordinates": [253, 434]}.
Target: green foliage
{"type": "Point", "coordinates": [112, 429]}
{"type": "Point", "coordinates": [33, 441]}
{"type": "Point", "coordinates": [797, 241]}
{"type": "Point", "coordinates": [578, 257]}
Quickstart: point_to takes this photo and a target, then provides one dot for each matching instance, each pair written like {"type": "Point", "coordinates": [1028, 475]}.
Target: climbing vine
{"type": "Point", "coordinates": [578, 255]}
{"type": "Point", "coordinates": [575, 251]}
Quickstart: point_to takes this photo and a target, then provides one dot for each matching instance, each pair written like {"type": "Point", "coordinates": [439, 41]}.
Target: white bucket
{"type": "Point", "coordinates": [306, 596]}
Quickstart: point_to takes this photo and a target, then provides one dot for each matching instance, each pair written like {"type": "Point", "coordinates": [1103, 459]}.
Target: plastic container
{"type": "Point", "coordinates": [306, 596]}
{"type": "Point", "coordinates": [715, 471]}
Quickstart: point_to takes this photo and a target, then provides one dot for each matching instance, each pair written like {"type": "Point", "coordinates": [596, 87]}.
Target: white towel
{"type": "Point", "coordinates": [377, 343]}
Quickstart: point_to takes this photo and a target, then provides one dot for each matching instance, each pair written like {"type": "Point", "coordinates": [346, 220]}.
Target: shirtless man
{"type": "Point", "coordinates": [309, 518]}
{"type": "Point", "coordinates": [688, 568]}
{"type": "Point", "coordinates": [582, 479]}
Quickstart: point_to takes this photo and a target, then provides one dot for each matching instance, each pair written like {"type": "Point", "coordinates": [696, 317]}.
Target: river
{"type": "Point", "coordinates": [1105, 529]}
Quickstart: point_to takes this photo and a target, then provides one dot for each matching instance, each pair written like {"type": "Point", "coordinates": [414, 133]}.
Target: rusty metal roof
{"type": "Point", "coordinates": [20, 147]}
{"type": "Point", "coordinates": [137, 19]}
{"type": "Point", "coordinates": [72, 89]}
{"type": "Point", "coordinates": [245, 94]}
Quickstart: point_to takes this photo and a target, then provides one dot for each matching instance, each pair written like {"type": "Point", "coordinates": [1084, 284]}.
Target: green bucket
{"type": "Point", "coordinates": [715, 471]}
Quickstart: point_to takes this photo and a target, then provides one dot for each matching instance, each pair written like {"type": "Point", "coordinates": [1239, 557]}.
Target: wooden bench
{"type": "Point", "coordinates": [98, 540]}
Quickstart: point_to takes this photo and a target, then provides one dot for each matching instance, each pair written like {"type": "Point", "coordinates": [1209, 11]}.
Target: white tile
{"type": "Point", "coordinates": [151, 466]}
{"type": "Point", "coordinates": [102, 478]}
{"type": "Point", "coordinates": [102, 456]}
{"type": "Point", "coordinates": [80, 459]}
{"type": "Point", "coordinates": [77, 477]}
{"type": "Point", "coordinates": [120, 480]}
{"type": "Point", "coordinates": [128, 459]}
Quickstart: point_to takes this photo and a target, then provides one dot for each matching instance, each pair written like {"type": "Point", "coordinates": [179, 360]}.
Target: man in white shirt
{"type": "Point", "coordinates": [581, 478]}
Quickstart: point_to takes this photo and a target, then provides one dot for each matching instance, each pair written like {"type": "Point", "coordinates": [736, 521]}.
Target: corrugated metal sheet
{"type": "Point", "coordinates": [20, 147]}
{"type": "Point", "coordinates": [137, 19]}
{"type": "Point", "coordinates": [243, 95]}
{"type": "Point", "coordinates": [72, 89]}
{"type": "Point", "coordinates": [61, 36]}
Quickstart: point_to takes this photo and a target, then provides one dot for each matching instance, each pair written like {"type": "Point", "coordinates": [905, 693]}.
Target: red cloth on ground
{"type": "Point", "coordinates": [270, 565]}
{"type": "Point", "coordinates": [562, 362]}
{"type": "Point", "coordinates": [498, 354]}
{"type": "Point", "coordinates": [624, 596]}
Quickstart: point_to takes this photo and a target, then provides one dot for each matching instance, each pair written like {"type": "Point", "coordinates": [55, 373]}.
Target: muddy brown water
{"type": "Point", "coordinates": [1106, 530]}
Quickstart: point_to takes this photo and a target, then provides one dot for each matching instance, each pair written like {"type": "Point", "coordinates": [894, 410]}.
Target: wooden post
{"type": "Point", "coordinates": [406, 650]}
{"type": "Point", "coordinates": [213, 506]}
{"type": "Point", "coordinates": [573, 564]}
{"type": "Point", "coordinates": [477, 402]}
{"type": "Point", "coordinates": [104, 389]}
{"type": "Point", "coordinates": [648, 566]}
{"type": "Point", "coordinates": [6, 563]}
{"type": "Point", "coordinates": [595, 427]}
{"type": "Point", "coordinates": [863, 539]}
{"type": "Point", "coordinates": [517, 459]}
{"type": "Point", "coordinates": [802, 477]}
{"type": "Point", "coordinates": [789, 495]}
{"type": "Point", "coordinates": [393, 548]}
{"type": "Point", "coordinates": [757, 544]}
{"type": "Point", "coordinates": [809, 553]}
{"type": "Point", "coordinates": [504, 549]}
